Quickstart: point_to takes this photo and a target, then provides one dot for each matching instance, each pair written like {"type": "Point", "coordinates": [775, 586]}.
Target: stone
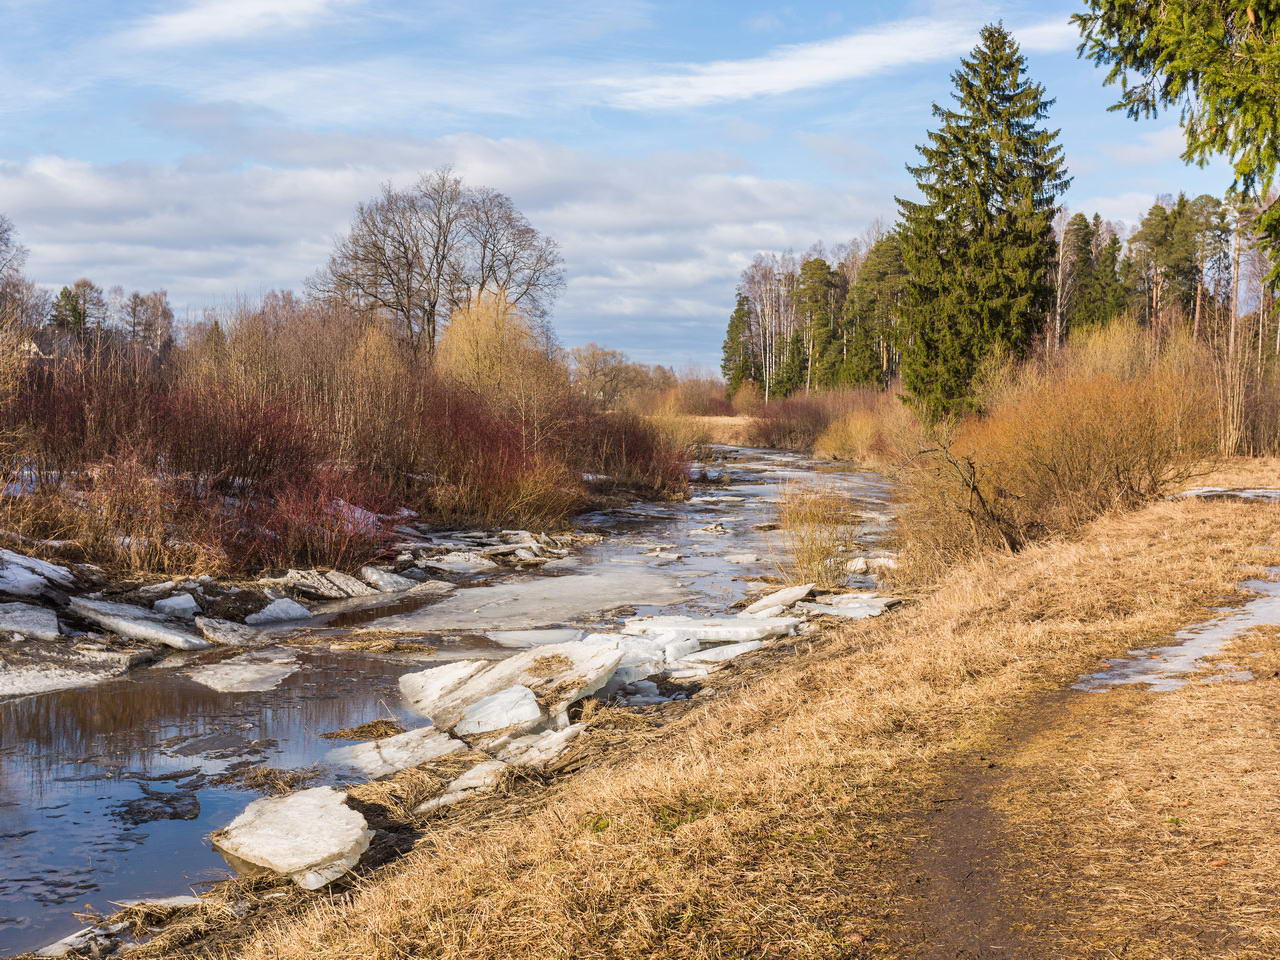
{"type": "Point", "coordinates": [459, 563]}
{"type": "Point", "coordinates": [741, 558]}
{"type": "Point", "coordinates": [182, 605]}
{"type": "Point", "coordinates": [349, 585]}
{"type": "Point", "coordinates": [858, 566]}
{"type": "Point", "coordinates": [479, 779]}
{"type": "Point", "coordinates": [310, 836]}
{"type": "Point", "coordinates": [780, 598]}
{"type": "Point", "coordinates": [515, 707]}
{"type": "Point", "coordinates": [279, 611]}
{"type": "Point", "coordinates": [523, 639]}
{"type": "Point", "coordinates": [226, 632]}
{"type": "Point", "coordinates": [540, 749]}
{"type": "Point", "coordinates": [385, 580]}
{"type": "Point", "coordinates": [378, 758]}
{"type": "Point", "coordinates": [731, 629]}
{"type": "Point", "coordinates": [136, 622]}
{"type": "Point", "coordinates": [560, 674]}
{"type": "Point", "coordinates": [29, 620]}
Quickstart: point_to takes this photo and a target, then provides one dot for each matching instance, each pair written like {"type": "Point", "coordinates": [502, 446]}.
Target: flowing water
{"type": "Point", "coordinates": [108, 792]}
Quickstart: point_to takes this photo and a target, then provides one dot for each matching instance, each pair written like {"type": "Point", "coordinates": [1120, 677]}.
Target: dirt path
{"type": "Point", "coordinates": [1127, 824]}
{"type": "Point", "coordinates": [968, 901]}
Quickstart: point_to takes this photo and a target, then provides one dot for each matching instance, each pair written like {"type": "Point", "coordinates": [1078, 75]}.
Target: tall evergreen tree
{"type": "Point", "coordinates": [738, 362]}
{"type": "Point", "coordinates": [870, 317]}
{"type": "Point", "coordinates": [1216, 62]}
{"type": "Point", "coordinates": [979, 247]}
{"type": "Point", "coordinates": [818, 301]}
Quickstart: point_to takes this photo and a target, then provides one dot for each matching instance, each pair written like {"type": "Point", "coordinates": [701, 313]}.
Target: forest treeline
{"type": "Point", "coordinates": [987, 267]}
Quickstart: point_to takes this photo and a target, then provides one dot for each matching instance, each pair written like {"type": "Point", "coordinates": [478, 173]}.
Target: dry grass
{"type": "Point", "coordinates": [764, 823]}
{"type": "Point", "coordinates": [1148, 821]}
{"type": "Point", "coordinates": [373, 730]}
{"type": "Point", "coordinates": [813, 522]}
{"type": "Point", "coordinates": [1241, 472]}
{"type": "Point", "coordinates": [269, 780]}
{"type": "Point", "coordinates": [732, 431]}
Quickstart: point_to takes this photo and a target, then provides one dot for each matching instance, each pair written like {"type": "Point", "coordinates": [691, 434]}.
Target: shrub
{"type": "Point", "coordinates": [1112, 422]}
{"type": "Point", "coordinates": [813, 522]}
{"type": "Point", "coordinates": [748, 400]}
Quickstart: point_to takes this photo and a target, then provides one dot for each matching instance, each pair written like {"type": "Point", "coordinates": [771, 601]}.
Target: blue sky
{"type": "Point", "coordinates": [216, 147]}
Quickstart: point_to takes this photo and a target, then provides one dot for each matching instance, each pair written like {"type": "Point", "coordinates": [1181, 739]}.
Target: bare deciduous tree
{"type": "Point", "coordinates": [413, 256]}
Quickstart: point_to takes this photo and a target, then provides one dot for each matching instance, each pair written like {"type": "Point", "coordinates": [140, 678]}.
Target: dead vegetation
{"type": "Point", "coordinates": [774, 820]}
{"type": "Point", "coordinates": [373, 730]}
{"type": "Point", "coordinates": [813, 531]}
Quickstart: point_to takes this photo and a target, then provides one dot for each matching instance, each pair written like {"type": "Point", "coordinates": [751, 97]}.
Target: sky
{"type": "Point", "coordinates": [215, 148]}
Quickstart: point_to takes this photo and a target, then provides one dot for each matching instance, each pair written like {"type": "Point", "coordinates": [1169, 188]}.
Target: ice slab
{"type": "Point", "coordinates": [29, 620]}
{"type": "Point", "coordinates": [378, 758]}
{"type": "Point", "coordinates": [310, 836]}
{"type": "Point", "coordinates": [731, 629]}
{"type": "Point", "coordinates": [781, 598]}
{"type": "Point", "coordinates": [541, 602]}
{"type": "Point", "coordinates": [136, 622]}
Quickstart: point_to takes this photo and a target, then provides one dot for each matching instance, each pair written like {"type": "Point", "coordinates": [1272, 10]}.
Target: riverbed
{"type": "Point", "coordinates": [108, 792]}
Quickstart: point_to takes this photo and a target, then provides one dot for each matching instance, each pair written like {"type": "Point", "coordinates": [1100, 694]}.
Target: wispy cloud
{"type": "Point", "coordinates": [217, 20]}
{"type": "Point", "coordinates": [803, 66]}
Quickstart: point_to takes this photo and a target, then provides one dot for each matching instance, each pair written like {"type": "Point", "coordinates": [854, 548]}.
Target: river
{"type": "Point", "coordinates": [108, 792]}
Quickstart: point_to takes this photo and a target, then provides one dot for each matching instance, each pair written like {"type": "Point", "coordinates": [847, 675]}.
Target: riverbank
{"type": "Point", "coordinates": [810, 814]}
{"type": "Point", "coordinates": [108, 791]}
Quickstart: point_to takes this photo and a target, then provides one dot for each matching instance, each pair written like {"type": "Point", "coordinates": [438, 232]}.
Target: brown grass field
{"type": "Point", "coordinates": [922, 785]}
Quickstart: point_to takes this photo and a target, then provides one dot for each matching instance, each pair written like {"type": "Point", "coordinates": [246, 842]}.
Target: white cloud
{"type": "Point", "coordinates": [803, 66]}
{"type": "Point", "coordinates": [1149, 148]}
{"type": "Point", "coordinates": [653, 245]}
{"type": "Point", "coordinates": [214, 20]}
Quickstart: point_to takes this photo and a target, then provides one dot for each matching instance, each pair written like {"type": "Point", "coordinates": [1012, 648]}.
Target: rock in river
{"type": "Point", "coordinates": [310, 836]}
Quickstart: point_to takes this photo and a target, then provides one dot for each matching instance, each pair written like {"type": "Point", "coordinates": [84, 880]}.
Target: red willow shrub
{"type": "Point", "coordinates": [291, 436]}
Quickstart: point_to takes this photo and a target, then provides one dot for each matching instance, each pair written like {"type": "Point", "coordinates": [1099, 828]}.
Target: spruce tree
{"type": "Point", "coordinates": [738, 364]}
{"type": "Point", "coordinates": [979, 246]}
{"type": "Point", "coordinates": [1216, 63]}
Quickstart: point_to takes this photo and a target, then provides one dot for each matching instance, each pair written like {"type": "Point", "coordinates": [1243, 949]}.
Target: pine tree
{"type": "Point", "coordinates": [979, 247]}
{"type": "Point", "coordinates": [818, 300]}
{"type": "Point", "coordinates": [870, 315]}
{"type": "Point", "coordinates": [738, 363]}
